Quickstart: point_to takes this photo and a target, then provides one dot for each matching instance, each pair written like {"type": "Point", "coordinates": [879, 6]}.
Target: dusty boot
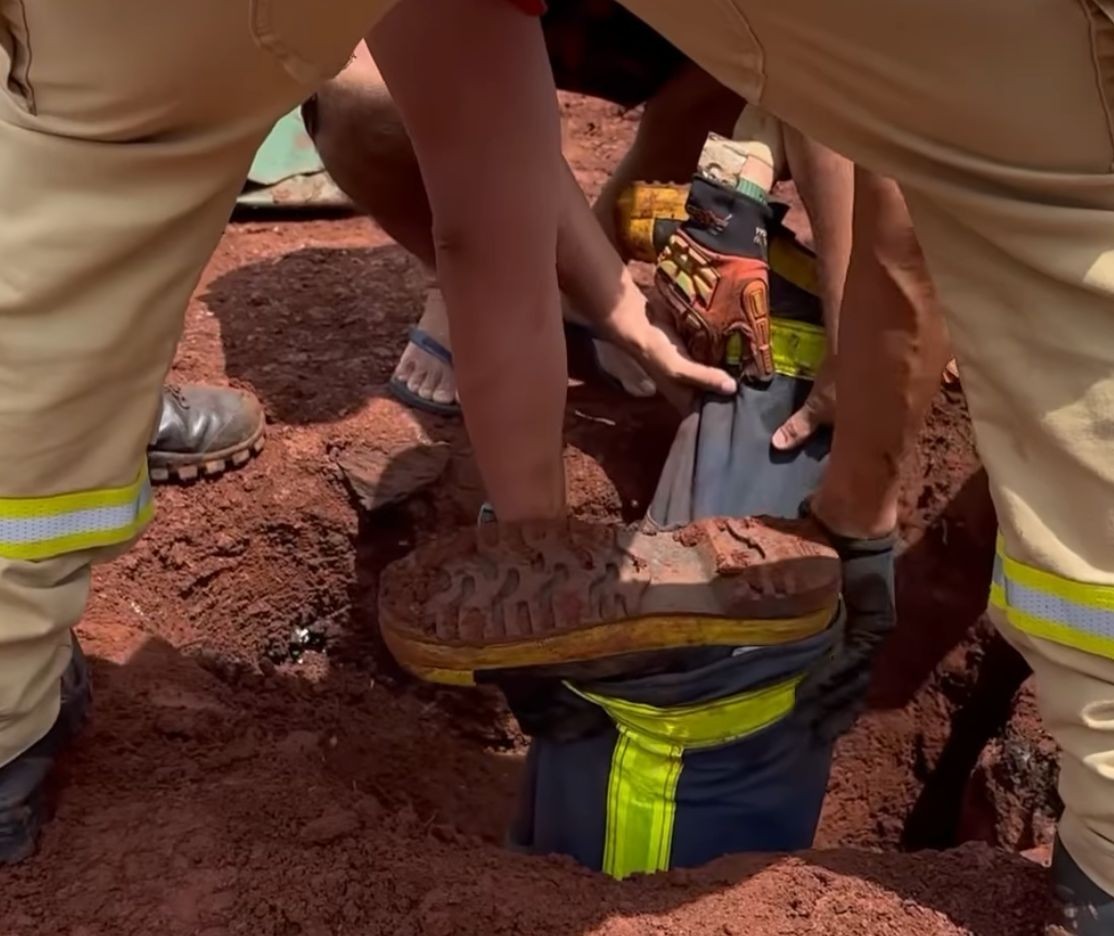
{"type": "Point", "coordinates": [22, 782]}
{"type": "Point", "coordinates": [204, 431]}
{"type": "Point", "coordinates": [498, 597]}
{"type": "Point", "coordinates": [1088, 909]}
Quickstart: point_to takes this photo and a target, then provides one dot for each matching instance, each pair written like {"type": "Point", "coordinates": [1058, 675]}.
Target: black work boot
{"type": "Point", "coordinates": [204, 431]}
{"type": "Point", "coordinates": [23, 781]}
{"type": "Point", "coordinates": [1088, 909]}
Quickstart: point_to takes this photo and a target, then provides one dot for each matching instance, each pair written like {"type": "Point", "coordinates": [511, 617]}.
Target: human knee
{"type": "Point", "coordinates": [354, 124]}
{"type": "Point", "coordinates": [359, 133]}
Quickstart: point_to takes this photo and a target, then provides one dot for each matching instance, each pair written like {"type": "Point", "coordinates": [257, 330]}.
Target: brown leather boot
{"type": "Point", "coordinates": [204, 430]}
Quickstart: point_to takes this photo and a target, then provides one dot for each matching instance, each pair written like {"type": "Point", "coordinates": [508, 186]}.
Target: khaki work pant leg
{"type": "Point", "coordinates": [126, 130]}
{"type": "Point", "coordinates": [996, 119]}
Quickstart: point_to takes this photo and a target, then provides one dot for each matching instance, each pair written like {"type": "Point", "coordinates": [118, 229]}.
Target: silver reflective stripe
{"type": "Point", "coordinates": [39, 528]}
{"type": "Point", "coordinates": [1073, 613]}
{"type": "Point", "coordinates": [90, 520]}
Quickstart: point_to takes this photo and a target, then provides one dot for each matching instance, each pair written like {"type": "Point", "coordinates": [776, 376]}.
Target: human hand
{"type": "Point", "coordinates": [648, 336]}
{"type": "Point", "coordinates": [818, 411]}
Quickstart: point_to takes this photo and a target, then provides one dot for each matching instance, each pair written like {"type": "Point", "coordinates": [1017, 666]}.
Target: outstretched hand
{"type": "Point", "coordinates": [651, 340]}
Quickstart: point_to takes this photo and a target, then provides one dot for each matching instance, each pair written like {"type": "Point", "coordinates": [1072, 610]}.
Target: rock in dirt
{"type": "Point", "coordinates": [330, 827]}
{"type": "Point", "coordinates": [379, 478]}
{"type": "Point", "coordinates": [399, 460]}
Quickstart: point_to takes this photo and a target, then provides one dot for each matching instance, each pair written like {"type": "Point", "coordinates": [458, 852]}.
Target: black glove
{"type": "Point", "coordinates": [834, 694]}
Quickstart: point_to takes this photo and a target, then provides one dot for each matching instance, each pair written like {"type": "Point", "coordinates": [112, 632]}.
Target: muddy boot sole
{"type": "Point", "coordinates": [176, 468]}
{"type": "Point", "coordinates": [498, 597]}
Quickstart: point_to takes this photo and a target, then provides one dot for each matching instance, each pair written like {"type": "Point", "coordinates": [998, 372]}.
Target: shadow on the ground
{"type": "Point", "coordinates": [317, 331]}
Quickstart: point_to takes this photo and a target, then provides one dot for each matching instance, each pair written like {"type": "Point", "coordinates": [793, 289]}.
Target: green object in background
{"type": "Point", "coordinates": [288, 174]}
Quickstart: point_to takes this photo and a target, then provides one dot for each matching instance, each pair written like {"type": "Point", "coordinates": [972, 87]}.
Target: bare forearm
{"type": "Point", "coordinates": [497, 134]}
{"type": "Point", "coordinates": [893, 347]}
{"type": "Point", "coordinates": [826, 184]}
{"type": "Point", "coordinates": [592, 275]}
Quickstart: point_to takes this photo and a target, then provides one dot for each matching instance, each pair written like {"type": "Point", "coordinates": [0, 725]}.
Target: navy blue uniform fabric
{"type": "Point", "coordinates": [763, 792]}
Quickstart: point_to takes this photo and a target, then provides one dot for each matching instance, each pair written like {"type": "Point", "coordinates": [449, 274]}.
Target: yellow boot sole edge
{"type": "Point", "coordinates": [457, 665]}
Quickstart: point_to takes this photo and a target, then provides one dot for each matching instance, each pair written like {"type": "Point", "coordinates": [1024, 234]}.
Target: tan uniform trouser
{"type": "Point", "coordinates": [996, 119]}
{"type": "Point", "coordinates": [126, 130]}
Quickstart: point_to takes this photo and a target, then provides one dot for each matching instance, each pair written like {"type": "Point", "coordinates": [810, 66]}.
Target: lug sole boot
{"type": "Point", "coordinates": [544, 595]}
{"type": "Point", "coordinates": [203, 432]}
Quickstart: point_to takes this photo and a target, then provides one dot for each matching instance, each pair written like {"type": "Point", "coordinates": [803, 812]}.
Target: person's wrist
{"type": "Point", "coordinates": [854, 512]}
{"type": "Point", "coordinates": [630, 326]}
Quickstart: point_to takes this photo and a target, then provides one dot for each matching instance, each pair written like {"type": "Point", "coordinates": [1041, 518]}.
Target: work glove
{"type": "Point", "coordinates": [834, 694]}
{"type": "Point", "coordinates": [646, 215]}
{"type": "Point", "coordinates": [713, 278]}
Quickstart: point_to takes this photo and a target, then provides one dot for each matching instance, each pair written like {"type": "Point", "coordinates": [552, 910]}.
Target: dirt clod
{"type": "Point", "coordinates": [330, 827]}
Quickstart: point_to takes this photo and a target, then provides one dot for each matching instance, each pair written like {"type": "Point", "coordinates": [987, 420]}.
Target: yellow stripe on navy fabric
{"type": "Point", "coordinates": [35, 528]}
{"type": "Point", "coordinates": [1076, 614]}
{"type": "Point", "coordinates": [705, 724]}
{"type": "Point", "coordinates": [641, 805]}
{"type": "Point", "coordinates": [647, 761]}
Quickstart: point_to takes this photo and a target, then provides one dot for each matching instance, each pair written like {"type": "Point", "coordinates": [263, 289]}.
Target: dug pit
{"type": "Point", "coordinates": [257, 764]}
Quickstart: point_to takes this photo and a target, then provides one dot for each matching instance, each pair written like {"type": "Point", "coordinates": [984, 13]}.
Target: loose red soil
{"type": "Point", "coordinates": [257, 764]}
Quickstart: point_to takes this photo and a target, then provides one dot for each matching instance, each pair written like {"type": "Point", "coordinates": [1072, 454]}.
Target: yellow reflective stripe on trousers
{"type": "Point", "coordinates": [705, 724]}
{"type": "Point", "coordinates": [34, 528]}
{"type": "Point", "coordinates": [647, 760]}
{"type": "Point", "coordinates": [1062, 610]}
{"type": "Point", "coordinates": [641, 805]}
{"type": "Point", "coordinates": [798, 347]}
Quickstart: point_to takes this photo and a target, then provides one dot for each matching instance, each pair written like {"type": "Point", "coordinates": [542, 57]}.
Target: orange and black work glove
{"type": "Point", "coordinates": [714, 277]}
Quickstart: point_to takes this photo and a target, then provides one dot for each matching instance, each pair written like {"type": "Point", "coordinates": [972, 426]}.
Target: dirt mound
{"type": "Point", "coordinates": [257, 763]}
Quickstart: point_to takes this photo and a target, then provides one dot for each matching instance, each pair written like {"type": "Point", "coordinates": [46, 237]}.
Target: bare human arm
{"type": "Point", "coordinates": [826, 183]}
{"type": "Point", "coordinates": [472, 81]}
{"type": "Point", "coordinates": [893, 346]}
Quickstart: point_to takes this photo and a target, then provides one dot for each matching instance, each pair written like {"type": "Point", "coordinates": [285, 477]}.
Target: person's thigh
{"type": "Point", "coordinates": [126, 130]}
{"type": "Point", "coordinates": [997, 122]}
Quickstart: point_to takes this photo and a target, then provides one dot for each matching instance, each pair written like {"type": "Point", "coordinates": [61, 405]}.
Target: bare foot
{"type": "Point", "coordinates": [432, 378]}
{"type": "Point", "coordinates": [425, 374]}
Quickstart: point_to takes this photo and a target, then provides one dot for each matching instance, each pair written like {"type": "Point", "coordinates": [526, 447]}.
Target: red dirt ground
{"type": "Point", "coordinates": [257, 764]}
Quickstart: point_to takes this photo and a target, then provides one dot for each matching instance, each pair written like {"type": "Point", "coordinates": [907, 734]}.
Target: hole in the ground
{"type": "Point", "coordinates": [950, 751]}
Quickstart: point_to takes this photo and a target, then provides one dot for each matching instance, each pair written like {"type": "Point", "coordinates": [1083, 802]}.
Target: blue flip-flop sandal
{"type": "Point", "coordinates": [432, 346]}
{"type": "Point", "coordinates": [404, 394]}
